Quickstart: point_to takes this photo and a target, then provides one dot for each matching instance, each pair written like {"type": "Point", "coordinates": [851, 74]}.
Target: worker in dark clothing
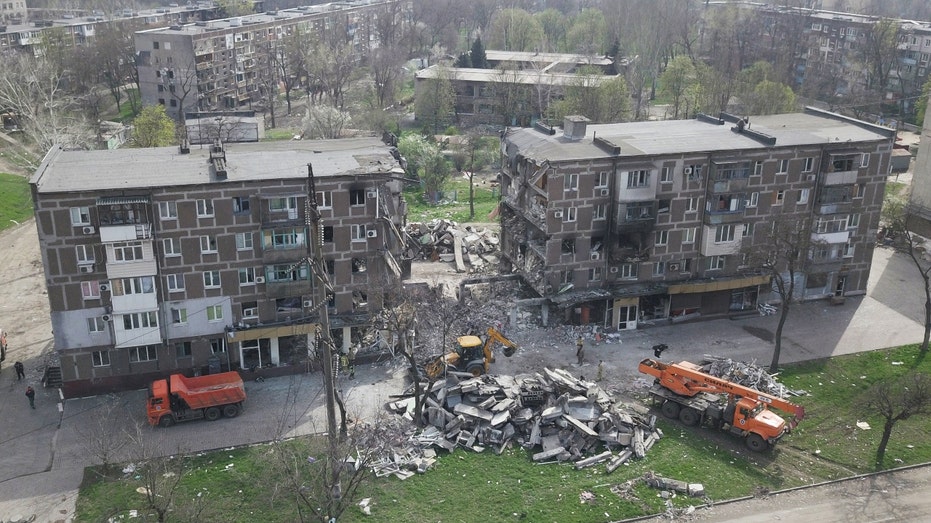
{"type": "Point", "coordinates": [658, 349]}
{"type": "Point", "coordinates": [580, 350]}
{"type": "Point", "coordinates": [20, 372]}
{"type": "Point", "coordinates": [31, 394]}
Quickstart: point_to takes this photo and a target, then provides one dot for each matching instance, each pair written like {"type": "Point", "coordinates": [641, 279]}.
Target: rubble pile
{"type": "Point", "coordinates": [440, 240]}
{"type": "Point", "coordinates": [746, 374]}
{"type": "Point", "coordinates": [560, 416]}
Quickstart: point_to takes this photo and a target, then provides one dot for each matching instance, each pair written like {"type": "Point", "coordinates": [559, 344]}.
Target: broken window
{"type": "Point", "coordinates": [328, 233]}
{"type": "Point", "coordinates": [358, 265]}
{"type": "Point", "coordinates": [360, 299]}
{"type": "Point", "coordinates": [331, 267]}
{"type": "Point", "coordinates": [356, 197]}
{"type": "Point", "coordinates": [568, 246]}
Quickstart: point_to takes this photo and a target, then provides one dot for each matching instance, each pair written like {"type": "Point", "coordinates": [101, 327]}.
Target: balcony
{"type": "Point", "coordinates": [290, 288]}
{"type": "Point", "coordinates": [840, 178]}
{"type": "Point", "coordinates": [729, 185]}
{"type": "Point", "coordinates": [122, 233]}
{"type": "Point", "coordinates": [635, 216]}
{"type": "Point", "coordinates": [134, 302]}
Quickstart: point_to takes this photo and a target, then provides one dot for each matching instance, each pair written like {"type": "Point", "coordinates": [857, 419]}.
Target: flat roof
{"type": "Point", "coordinates": [672, 137]}
{"type": "Point", "coordinates": [469, 74]}
{"type": "Point", "coordinates": [548, 58]}
{"type": "Point", "coordinates": [74, 171]}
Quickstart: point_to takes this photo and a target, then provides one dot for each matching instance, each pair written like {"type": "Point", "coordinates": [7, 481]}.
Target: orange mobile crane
{"type": "Point", "coordinates": [694, 397]}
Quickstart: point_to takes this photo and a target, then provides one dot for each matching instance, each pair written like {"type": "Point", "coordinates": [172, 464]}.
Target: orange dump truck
{"type": "Point", "coordinates": [181, 399]}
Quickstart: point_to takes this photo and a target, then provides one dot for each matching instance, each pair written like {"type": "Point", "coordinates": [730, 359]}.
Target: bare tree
{"type": "Point", "coordinates": [896, 400]}
{"type": "Point", "coordinates": [900, 219]}
{"type": "Point", "coordinates": [471, 155]}
{"type": "Point", "coordinates": [324, 122]}
{"type": "Point", "coordinates": [101, 438]}
{"type": "Point", "coordinates": [160, 472]}
{"type": "Point", "coordinates": [385, 65]}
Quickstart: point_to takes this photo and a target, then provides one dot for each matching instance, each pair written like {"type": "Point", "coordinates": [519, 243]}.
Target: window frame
{"type": "Point", "coordinates": [90, 290]}
{"type": "Point", "coordinates": [212, 280]}
{"type": "Point", "coordinates": [80, 216]}
{"type": "Point", "coordinates": [100, 358]}
{"type": "Point", "coordinates": [204, 208]}
{"type": "Point", "coordinates": [688, 236]}
{"type": "Point", "coordinates": [661, 238]}
{"type": "Point", "coordinates": [175, 247]}
{"type": "Point", "coordinates": [570, 182]}
{"type": "Point", "coordinates": [172, 281]}
{"type": "Point", "coordinates": [84, 254]}
{"type": "Point", "coordinates": [638, 179]}
{"type": "Point", "coordinates": [724, 233]}
{"type": "Point", "coordinates": [208, 244]}
{"type": "Point", "coordinates": [241, 205]}
{"type": "Point", "coordinates": [245, 241]}
{"type": "Point", "coordinates": [167, 210]}
{"type": "Point", "coordinates": [214, 313]}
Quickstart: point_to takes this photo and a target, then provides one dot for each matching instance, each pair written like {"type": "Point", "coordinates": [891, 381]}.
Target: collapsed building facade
{"type": "Point", "coordinates": [632, 223]}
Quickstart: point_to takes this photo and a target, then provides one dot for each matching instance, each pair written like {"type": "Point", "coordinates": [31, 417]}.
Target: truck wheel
{"type": "Point", "coordinates": [670, 409]}
{"type": "Point", "coordinates": [689, 416]}
{"type": "Point", "coordinates": [756, 443]}
{"type": "Point", "coordinates": [230, 411]}
{"type": "Point", "coordinates": [212, 414]}
{"type": "Point", "coordinates": [476, 369]}
{"type": "Point", "coordinates": [166, 421]}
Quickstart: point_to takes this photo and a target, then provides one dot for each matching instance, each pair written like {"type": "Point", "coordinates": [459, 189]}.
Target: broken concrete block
{"type": "Point", "coordinates": [548, 454]}
{"type": "Point", "coordinates": [696, 490]}
{"type": "Point", "coordinates": [468, 410]}
{"type": "Point", "coordinates": [594, 460]}
{"type": "Point", "coordinates": [580, 426]}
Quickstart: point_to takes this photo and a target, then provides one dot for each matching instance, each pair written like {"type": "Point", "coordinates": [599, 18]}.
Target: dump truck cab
{"type": "Point", "coordinates": [159, 402]}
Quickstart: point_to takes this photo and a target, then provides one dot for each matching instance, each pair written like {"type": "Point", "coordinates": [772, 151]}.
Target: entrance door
{"type": "Point", "coordinates": [839, 288]}
{"type": "Point", "coordinates": [628, 317]}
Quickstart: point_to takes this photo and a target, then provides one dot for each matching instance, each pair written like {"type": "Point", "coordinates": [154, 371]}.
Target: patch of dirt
{"type": "Point", "coordinates": [763, 334]}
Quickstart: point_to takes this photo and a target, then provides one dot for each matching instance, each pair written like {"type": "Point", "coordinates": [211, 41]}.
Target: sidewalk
{"type": "Point", "coordinates": [42, 465]}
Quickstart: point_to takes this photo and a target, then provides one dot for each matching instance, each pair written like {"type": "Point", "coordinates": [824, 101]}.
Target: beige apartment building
{"type": "Point", "coordinates": [645, 222]}
{"type": "Point", "coordinates": [164, 260]}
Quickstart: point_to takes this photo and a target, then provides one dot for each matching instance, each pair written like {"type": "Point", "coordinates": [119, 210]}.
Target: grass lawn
{"type": "Point", "coordinates": [15, 200]}
{"type": "Point", "coordinates": [455, 202]}
{"type": "Point", "coordinates": [465, 486]}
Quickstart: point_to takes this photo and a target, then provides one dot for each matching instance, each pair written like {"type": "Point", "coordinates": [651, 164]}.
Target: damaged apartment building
{"type": "Point", "coordinates": [626, 224]}
{"type": "Point", "coordinates": [190, 260]}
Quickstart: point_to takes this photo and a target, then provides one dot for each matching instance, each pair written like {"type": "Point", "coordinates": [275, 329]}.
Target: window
{"type": "Point", "coordinates": [244, 241]}
{"type": "Point", "coordinates": [865, 160]}
{"type": "Point", "coordinates": [96, 324]}
{"type": "Point", "coordinates": [570, 182]}
{"type": "Point", "coordinates": [783, 167]}
{"type": "Point", "coordinates": [595, 274]}
{"type": "Point", "coordinates": [241, 205]}
{"type": "Point", "coordinates": [848, 250]}
{"type": "Point", "coordinates": [754, 199]}
{"type": "Point", "coordinates": [327, 233]}
{"type": "Point", "coordinates": [600, 212]}
{"type": "Point", "coordinates": [357, 232]}
{"type": "Point", "coordinates": [216, 346]}
{"type": "Point", "coordinates": [859, 190]}
{"type": "Point", "coordinates": [692, 172]}
{"type": "Point", "coordinates": [716, 263]}
{"type": "Point", "coordinates": [659, 268]}
{"type": "Point", "coordinates": [182, 349]}
{"type": "Point", "coordinates": [208, 245]}
{"type": "Point", "coordinates": [168, 210]}
{"type": "Point", "coordinates": [283, 204]}
{"type": "Point", "coordinates": [287, 272]}
{"type": "Point", "coordinates": [638, 179]}
{"type": "Point", "coordinates": [758, 168]}
{"type": "Point", "coordinates": [171, 246]}
{"type": "Point", "coordinates": [215, 313]}
{"type": "Point", "coordinates": [808, 165]}
{"type": "Point", "coordinates": [175, 282]}
{"type": "Point", "coordinates": [146, 353]}
{"type": "Point", "coordinates": [178, 316]}
{"type": "Point", "coordinates": [285, 238]}
{"type": "Point", "coordinates": [747, 230]}
{"type": "Point", "coordinates": [691, 205]}
{"type": "Point", "coordinates": [724, 233]}
{"type": "Point", "coordinates": [571, 214]}
{"type": "Point", "coordinates": [140, 320]}
{"type": "Point", "coordinates": [137, 285]}
{"type": "Point", "coordinates": [779, 197]}
{"type": "Point", "coordinates": [601, 181]}
{"type": "Point", "coordinates": [90, 290]}
{"type": "Point", "coordinates": [247, 276]}
{"type": "Point", "coordinates": [211, 279]}
{"type": "Point", "coordinates": [853, 221]}
{"type": "Point", "coordinates": [80, 216]}
{"type": "Point", "coordinates": [324, 199]}
{"type": "Point", "coordinates": [662, 206]}
{"type": "Point", "coordinates": [204, 208]}
{"type": "Point", "coordinates": [155, 46]}
{"type": "Point", "coordinates": [128, 251]}
{"type": "Point", "coordinates": [250, 309]}
{"type": "Point", "coordinates": [101, 358]}
{"type": "Point", "coordinates": [662, 237]}
{"type": "Point", "coordinates": [568, 246]}
{"type": "Point", "coordinates": [685, 265]}
{"type": "Point", "coordinates": [84, 253]}
{"type": "Point", "coordinates": [666, 175]}
{"type": "Point", "coordinates": [688, 235]}
{"type": "Point", "coordinates": [357, 197]}
{"type": "Point", "coordinates": [802, 196]}
{"type": "Point", "coordinates": [629, 270]}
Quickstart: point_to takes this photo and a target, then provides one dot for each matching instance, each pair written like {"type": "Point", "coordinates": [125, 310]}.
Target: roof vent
{"type": "Point", "coordinates": [218, 159]}
{"type": "Point", "coordinates": [574, 127]}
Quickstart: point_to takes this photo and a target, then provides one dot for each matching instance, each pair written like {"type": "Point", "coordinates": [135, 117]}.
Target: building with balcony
{"type": "Point", "coordinates": [224, 64]}
{"type": "Point", "coordinates": [165, 260]}
{"type": "Point", "coordinates": [621, 224]}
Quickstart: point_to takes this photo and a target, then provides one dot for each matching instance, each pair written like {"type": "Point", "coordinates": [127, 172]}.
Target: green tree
{"type": "Point", "coordinates": [514, 30]}
{"type": "Point", "coordinates": [555, 28]}
{"type": "Point", "coordinates": [675, 82]}
{"type": "Point", "coordinates": [588, 34]}
{"type": "Point", "coordinates": [477, 56]}
{"type": "Point", "coordinates": [235, 7]}
{"type": "Point", "coordinates": [602, 100]}
{"type": "Point", "coordinates": [772, 98]}
{"type": "Point", "coordinates": [922, 104]}
{"type": "Point", "coordinates": [426, 161]}
{"type": "Point", "coordinates": [435, 101]}
{"type": "Point", "coordinates": [153, 127]}
{"type": "Point", "coordinates": [463, 61]}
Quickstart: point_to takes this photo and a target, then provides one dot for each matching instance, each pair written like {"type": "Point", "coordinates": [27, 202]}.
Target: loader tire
{"type": "Point", "coordinates": [689, 416]}
{"type": "Point", "coordinates": [756, 443]}
{"type": "Point", "coordinates": [476, 369]}
{"type": "Point", "coordinates": [670, 409]}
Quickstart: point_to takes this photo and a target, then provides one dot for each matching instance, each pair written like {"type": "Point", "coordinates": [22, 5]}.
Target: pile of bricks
{"type": "Point", "coordinates": [440, 239]}
{"type": "Point", "coordinates": [558, 416]}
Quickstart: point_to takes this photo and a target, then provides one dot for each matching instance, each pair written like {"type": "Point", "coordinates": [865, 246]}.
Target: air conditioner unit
{"type": "Point", "coordinates": [105, 287]}
{"type": "Point", "coordinates": [371, 194]}
{"type": "Point", "coordinates": [673, 267]}
{"type": "Point", "coordinates": [89, 230]}
{"type": "Point", "coordinates": [371, 233]}
{"type": "Point", "coordinates": [87, 269]}
{"type": "Point", "coordinates": [596, 255]}
{"type": "Point", "coordinates": [687, 170]}
{"type": "Point", "coordinates": [308, 303]}
{"type": "Point", "coordinates": [557, 214]}
{"type": "Point", "coordinates": [260, 279]}
{"type": "Point", "coordinates": [810, 177]}
{"type": "Point", "coordinates": [614, 270]}
{"type": "Point", "coordinates": [604, 192]}
{"type": "Point", "coordinates": [106, 317]}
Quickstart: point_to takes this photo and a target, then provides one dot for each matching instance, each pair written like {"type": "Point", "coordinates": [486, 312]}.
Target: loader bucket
{"type": "Point", "coordinates": [509, 351]}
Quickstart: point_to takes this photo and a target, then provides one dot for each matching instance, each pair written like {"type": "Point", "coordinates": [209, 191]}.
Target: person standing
{"type": "Point", "coordinates": [580, 350]}
{"type": "Point", "coordinates": [31, 394]}
{"type": "Point", "coordinates": [20, 372]}
{"type": "Point", "coordinates": [352, 361]}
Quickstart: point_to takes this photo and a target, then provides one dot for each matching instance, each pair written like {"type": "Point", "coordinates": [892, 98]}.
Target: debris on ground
{"type": "Point", "coordinates": [695, 490]}
{"type": "Point", "coordinates": [746, 374]}
{"type": "Point", "coordinates": [560, 416]}
{"type": "Point", "coordinates": [445, 240]}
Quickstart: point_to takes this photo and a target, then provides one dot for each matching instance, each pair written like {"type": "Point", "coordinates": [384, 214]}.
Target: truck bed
{"type": "Point", "coordinates": [206, 391]}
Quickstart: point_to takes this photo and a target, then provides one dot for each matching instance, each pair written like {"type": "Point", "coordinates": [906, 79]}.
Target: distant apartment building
{"type": "Point", "coordinates": [642, 222]}
{"type": "Point", "coordinates": [519, 84]}
{"type": "Point", "coordinates": [224, 64]}
{"type": "Point", "coordinates": [12, 11]}
{"type": "Point", "coordinates": [160, 260]}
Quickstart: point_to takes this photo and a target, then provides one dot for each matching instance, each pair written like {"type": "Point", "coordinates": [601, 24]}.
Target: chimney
{"type": "Point", "coordinates": [574, 127]}
{"type": "Point", "coordinates": [218, 159]}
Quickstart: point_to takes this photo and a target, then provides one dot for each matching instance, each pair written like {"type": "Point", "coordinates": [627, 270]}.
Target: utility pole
{"type": "Point", "coordinates": [324, 343]}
